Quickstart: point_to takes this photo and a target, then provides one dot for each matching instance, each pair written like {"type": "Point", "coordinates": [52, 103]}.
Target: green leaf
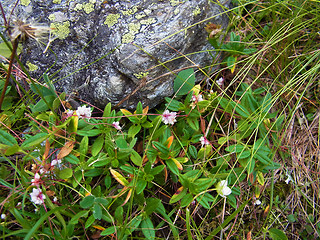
{"type": "Point", "coordinates": [118, 214]}
{"type": "Point", "coordinates": [172, 166]}
{"type": "Point", "coordinates": [173, 104]}
{"type": "Point", "coordinates": [157, 170]}
{"type": "Point", "coordinates": [148, 229]}
{"type": "Point", "coordinates": [97, 211]}
{"type": "Point", "coordinates": [7, 138]}
{"type": "Point", "coordinates": [184, 82]}
{"type": "Point", "coordinates": [277, 234]}
{"type": "Point", "coordinates": [141, 185]}
{"type": "Point", "coordinates": [152, 205]}
{"type": "Point", "coordinates": [186, 200]}
{"type": "Point", "coordinates": [75, 218]}
{"type": "Point", "coordinates": [87, 202]}
{"type": "Point", "coordinates": [65, 173]}
{"type": "Point", "coordinates": [34, 140]}
{"type": "Point", "coordinates": [193, 123]}
{"type": "Point", "coordinates": [134, 130]}
{"type": "Point", "coordinates": [134, 223]}
{"type": "Point", "coordinates": [89, 133]}
{"type": "Point", "coordinates": [108, 231]}
{"type": "Point", "coordinates": [163, 149]}
{"type": "Point", "coordinates": [235, 148]}
{"type": "Point", "coordinates": [244, 154]}
{"type": "Point", "coordinates": [97, 145]}
{"type": "Point", "coordinates": [136, 158]}
{"type": "Point", "coordinates": [72, 159]}
{"type": "Point", "coordinates": [6, 52]}
{"type": "Point", "coordinates": [89, 221]}
{"type": "Point", "coordinates": [230, 105]}
{"type": "Point", "coordinates": [193, 151]}
{"type": "Point", "coordinates": [181, 192]}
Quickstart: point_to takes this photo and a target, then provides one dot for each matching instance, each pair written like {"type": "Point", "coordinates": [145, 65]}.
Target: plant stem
{"type": "Point", "coordinates": [13, 54]}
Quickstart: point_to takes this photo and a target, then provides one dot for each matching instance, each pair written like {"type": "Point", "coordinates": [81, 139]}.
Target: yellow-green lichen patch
{"type": "Point", "coordinates": [196, 11]}
{"type": "Point", "coordinates": [141, 75]}
{"type": "Point", "coordinates": [131, 11]}
{"type": "Point", "coordinates": [134, 27]}
{"type": "Point", "coordinates": [56, 1]}
{"type": "Point", "coordinates": [148, 21]}
{"type": "Point", "coordinates": [52, 17]}
{"type": "Point", "coordinates": [128, 37]}
{"type": "Point", "coordinates": [88, 7]}
{"type": "Point", "coordinates": [140, 15]}
{"type": "Point", "coordinates": [174, 2]}
{"type": "Point", "coordinates": [111, 19]}
{"type": "Point", "coordinates": [32, 67]}
{"type": "Point", "coordinates": [176, 11]}
{"type": "Point", "coordinates": [25, 2]}
{"type": "Point", "coordinates": [78, 7]}
{"type": "Point", "coordinates": [61, 30]}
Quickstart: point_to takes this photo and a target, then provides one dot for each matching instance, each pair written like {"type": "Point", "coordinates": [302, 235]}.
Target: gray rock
{"type": "Point", "coordinates": [104, 48]}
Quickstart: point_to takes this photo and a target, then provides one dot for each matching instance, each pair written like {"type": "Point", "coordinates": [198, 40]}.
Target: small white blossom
{"type": "Point", "coordinates": [116, 125]}
{"type": "Point", "coordinates": [55, 199]}
{"type": "Point", "coordinates": [42, 170]}
{"type": "Point", "coordinates": [169, 117]}
{"type": "Point", "coordinates": [37, 196]}
{"type": "Point", "coordinates": [220, 81]}
{"type": "Point", "coordinates": [36, 180]}
{"type": "Point", "coordinates": [55, 162]}
{"type": "Point", "coordinates": [223, 189]}
{"type": "Point", "coordinates": [84, 112]}
{"type": "Point", "coordinates": [289, 178]}
{"type": "Point", "coordinates": [257, 202]}
{"type": "Point", "coordinates": [204, 141]}
{"type": "Point", "coordinates": [69, 113]}
{"type": "Point", "coordinates": [197, 98]}
{"type": "Point", "coordinates": [3, 216]}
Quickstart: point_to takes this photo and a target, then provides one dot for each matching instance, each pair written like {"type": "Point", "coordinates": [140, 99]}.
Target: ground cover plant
{"type": "Point", "coordinates": [234, 155]}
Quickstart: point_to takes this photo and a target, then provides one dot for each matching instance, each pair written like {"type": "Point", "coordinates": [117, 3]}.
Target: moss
{"type": "Point", "coordinates": [131, 11]}
{"type": "Point", "coordinates": [25, 2]}
{"type": "Point", "coordinates": [61, 30]}
{"type": "Point", "coordinates": [148, 21]}
{"type": "Point", "coordinates": [56, 1]}
{"type": "Point", "coordinates": [32, 67]}
{"type": "Point", "coordinates": [128, 37]}
{"type": "Point", "coordinates": [196, 11]}
{"type": "Point", "coordinates": [88, 7]}
{"type": "Point", "coordinates": [111, 19]}
{"type": "Point", "coordinates": [52, 17]}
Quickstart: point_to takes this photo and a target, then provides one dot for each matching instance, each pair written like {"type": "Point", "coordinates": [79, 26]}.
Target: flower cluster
{"type": "Point", "coordinates": [37, 197]}
{"type": "Point", "coordinates": [116, 125]}
{"type": "Point", "coordinates": [197, 98]}
{"type": "Point", "coordinates": [84, 112]}
{"type": "Point", "coordinates": [169, 117]}
{"type": "Point", "coordinates": [204, 141]}
{"type": "Point", "coordinates": [220, 81]}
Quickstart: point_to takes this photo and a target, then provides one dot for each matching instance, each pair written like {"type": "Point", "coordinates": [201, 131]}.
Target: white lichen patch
{"type": "Point", "coordinates": [141, 75]}
{"type": "Point", "coordinates": [32, 67]}
{"type": "Point", "coordinates": [56, 1]}
{"type": "Point", "coordinates": [111, 19]}
{"type": "Point", "coordinates": [131, 11]}
{"type": "Point", "coordinates": [25, 2]}
{"type": "Point", "coordinates": [176, 11]}
{"type": "Point", "coordinates": [61, 30]}
{"type": "Point", "coordinates": [196, 11]}
{"type": "Point", "coordinates": [147, 11]}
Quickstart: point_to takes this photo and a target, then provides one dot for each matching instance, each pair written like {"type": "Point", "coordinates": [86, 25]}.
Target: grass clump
{"type": "Point", "coordinates": [235, 156]}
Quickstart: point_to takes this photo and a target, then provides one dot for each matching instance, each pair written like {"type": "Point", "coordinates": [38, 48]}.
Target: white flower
{"type": "Point", "coordinates": [289, 178]}
{"type": "Point", "coordinates": [84, 112]}
{"type": "Point", "coordinates": [197, 98]}
{"type": "Point", "coordinates": [257, 202]}
{"type": "Point", "coordinates": [55, 199]}
{"type": "Point", "coordinates": [169, 117]}
{"type": "Point", "coordinates": [220, 81]}
{"type": "Point", "coordinates": [55, 162]}
{"type": "Point", "coordinates": [36, 180]}
{"type": "Point", "coordinates": [42, 170]}
{"type": "Point", "coordinates": [3, 216]}
{"type": "Point", "coordinates": [69, 113]}
{"type": "Point", "coordinates": [116, 125]}
{"type": "Point", "coordinates": [37, 196]}
{"type": "Point", "coordinates": [223, 189]}
{"type": "Point", "coordinates": [204, 141]}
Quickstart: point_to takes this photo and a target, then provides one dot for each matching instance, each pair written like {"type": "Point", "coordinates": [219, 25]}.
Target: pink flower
{"type": "Point", "coordinates": [204, 141]}
{"type": "Point", "coordinates": [55, 162]}
{"type": "Point", "coordinates": [36, 181]}
{"type": "Point", "coordinates": [69, 113]}
{"type": "Point", "coordinates": [116, 125]}
{"type": "Point", "coordinates": [37, 197]}
{"type": "Point", "coordinates": [197, 98]}
{"type": "Point", "coordinates": [169, 117]}
{"type": "Point", "coordinates": [84, 112]}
